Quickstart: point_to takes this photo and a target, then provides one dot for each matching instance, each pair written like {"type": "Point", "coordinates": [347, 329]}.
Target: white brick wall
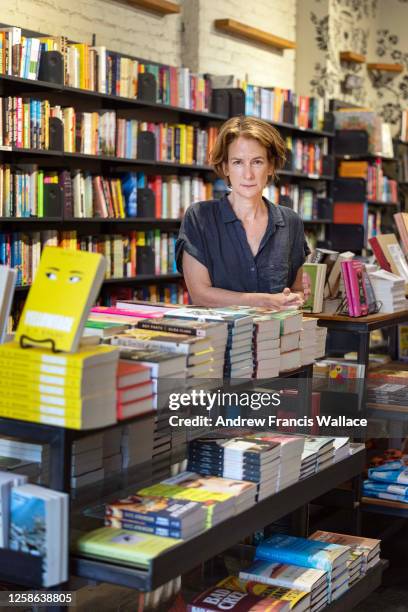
{"type": "Point", "coordinates": [119, 27]}
{"type": "Point", "coordinates": [219, 53]}
{"type": "Point", "coordinates": [133, 31]}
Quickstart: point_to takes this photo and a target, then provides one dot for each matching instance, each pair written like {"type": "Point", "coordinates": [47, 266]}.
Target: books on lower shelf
{"type": "Point", "coordinates": [286, 571]}
{"type": "Point", "coordinates": [388, 481]}
{"type": "Point", "coordinates": [136, 252]}
{"type": "Point", "coordinates": [39, 527]}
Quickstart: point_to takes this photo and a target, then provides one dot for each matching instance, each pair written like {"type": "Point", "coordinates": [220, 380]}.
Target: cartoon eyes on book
{"type": "Point", "coordinates": [74, 275]}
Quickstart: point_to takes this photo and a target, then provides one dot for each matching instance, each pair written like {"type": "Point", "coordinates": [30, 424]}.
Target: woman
{"type": "Point", "coordinates": [242, 250]}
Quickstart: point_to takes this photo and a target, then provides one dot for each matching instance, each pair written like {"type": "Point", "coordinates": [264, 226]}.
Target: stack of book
{"type": "Point", "coordinates": [162, 435]}
{"type": "Point", "coordinates": [389, 290]}
{"type": "Point", "coordinates": [389, 255]}
{"type": "Point", "coordinates": [341, 448]}
{"type": "Point", "coordinates": [215, 332]}
{"type": "Point", "coordinates": [365, 552]}
{"type": "Point", "coordinates": [266, 346]}
{"type": "Point", "coordinates": [388, 481]}
{"type": "Point", "coordinates": [291, 449]}
{"type": "Point", "coordinates": [228, 497]}
{"type": "Point", "coordinates": [355, 560]}
{"type": "Point", "coordinates": [196, 350]}
{"type": "Point", "coordinates": [238, 458]}
{"type": "Point", "coordinates": [264, 597]}
{"type": "Point", "coordinates": [307, 341]}
{"type": "Point", "coordinates": [162, 516]}
{"type": "Point", "coordinates": [321, 335]}
{"type": "Point", "coordinates": [134, 389]}
{"type": "Point", "coordinates": [167, 370]}
{"type": "Point", "coordinates": [290, 327]}
{"type": "Point", "coordinates": [137, 442]}
{"type": "Point", "coordinates": [325, 556]}
{"type": "Point", "coordinates": [324, 447]}
{"type": "Point", "coordinates": [31, 460]}
{"type": "Point", "coordinates": [309, 463]}
{"type": "Point", "coordinates": [75, 390]}
{"type": "Point", "coordinates": [39, 527]}
{"type": "Point", "coordinates": [87, 461]}
{"type": "Point", "coordinates": [111, 451]}
{"type": "Point", "coordinates": [304, 579]}
{"type": "Point", "coordinates": [238, 351]}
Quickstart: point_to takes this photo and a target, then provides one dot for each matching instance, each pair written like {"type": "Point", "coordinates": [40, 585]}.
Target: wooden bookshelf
{"type": "Point", "coordinates": [241, 30]}
{"type": "Point", "coordinates": [160, 7]}
{"type": "Point", "coordinates": [386, 67]}
{"type": "Point", "coordinates": [352, 57]}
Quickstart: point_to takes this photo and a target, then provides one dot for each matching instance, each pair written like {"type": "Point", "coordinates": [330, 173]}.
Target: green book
{"type": "Point", "coordinates": [310, 271]}
{"type": "Point", "coordinates": [40, 193]}
{"type": "Point", "coordinates": [132, 547]}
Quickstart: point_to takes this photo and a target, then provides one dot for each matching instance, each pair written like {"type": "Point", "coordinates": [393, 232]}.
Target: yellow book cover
{"type": "Point", "coordinates": [58, 303]}
{"type": "Point", "coordinates": [40, 383]}
{"type": "Point", "coordinates": [33, 397]}
{"type": "Point", "coordinates": [266, 590]}
{"type": "Point", "coordinates": [183, 143]}
{"type": "Point", "coordinates": [86, 356]}
{"type": "Point", "coordinates": [129, 547]}
{"type": "Point", "coordinates": [35, 416]}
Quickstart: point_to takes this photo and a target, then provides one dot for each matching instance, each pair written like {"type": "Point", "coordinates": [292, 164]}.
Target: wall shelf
{"type": "Point", "coordinates": [241, 30]}
{"type": "Point", "coordinates": [352, 57]}
{"type": "Point", "coordinates": [160, 7]}
{"type": "Point", "coordinates": [386, 67]}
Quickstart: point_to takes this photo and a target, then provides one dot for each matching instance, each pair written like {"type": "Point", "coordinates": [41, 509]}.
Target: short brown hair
{"type": "Point", "coordinates": [248, 127]}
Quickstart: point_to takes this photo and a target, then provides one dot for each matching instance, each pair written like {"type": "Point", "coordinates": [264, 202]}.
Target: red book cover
{"type": "Point", "coordinates": [352, 213]}
{"type": "Point", "coordinates": [379, 254]}
{"type": "Point", "coordinates": [130, 374]}
{"type": "Point", "coordinates": [221, 598]}
{"type": "Point", "coordinates": [358, 293]}
{"type": "Point", "coordinates": [346, 280]}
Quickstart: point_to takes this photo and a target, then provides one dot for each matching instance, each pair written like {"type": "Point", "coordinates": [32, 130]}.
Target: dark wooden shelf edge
{"type": "Point", "coordinates": [87, 220]}
{"type": "Point", "coordinates": [67, 89]}
{"type": "Point", "coordinates": [360, 590]}
{"type": "Point", "coordinates": [178, 560]}
{"type": "Point", "coordinates": [20, 568]}
{"type": "Point", "coordinates": [142, 278]}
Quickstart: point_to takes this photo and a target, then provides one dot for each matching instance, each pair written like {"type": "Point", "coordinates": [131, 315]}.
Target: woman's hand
{"type": "Point", "coordinates": [284, 300]}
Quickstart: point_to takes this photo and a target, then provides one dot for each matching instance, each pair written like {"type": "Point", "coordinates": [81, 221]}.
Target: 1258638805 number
{"type": "Point", "coordinates": [43, 598]}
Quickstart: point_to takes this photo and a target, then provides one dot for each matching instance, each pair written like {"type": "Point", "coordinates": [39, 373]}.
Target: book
{"type": "Point", "coordinates": [7, 283]}
{"type": "Point", "coordinates": [7, 481]}
{"type": "Point", "coordinates": [355, 286]}
{"type": "Point", "coordinates": [223, 598]}
{"type": "Point", "coordinates": [299, 601]}
{"type": "Point", "coordinates": [299, 551]}
{"type": "Point", "coordinates": [58, 303]}
{"type": "Point", "coordinates": [136, 549]}
{"type": "Point", "coordinates": [284, 575]}
{"type": "Point", "coordinates": [180, 516]}
{"type": "Point", "coordinates": [39, 526]}
{"type": "Point", "coordinates": [176, 343]}
{"type": "Point", "coordinates": [129, 374]}
{"type": "Point", "coordinates": [368, 547]}
{"type": "Point", "coordinates": [160, 363]}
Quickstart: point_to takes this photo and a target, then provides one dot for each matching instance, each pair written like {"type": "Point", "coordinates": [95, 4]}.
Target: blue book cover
{"type": "Point", "coordinates": [27, 524]}
{"type": "Point", "coordinates": [299, 551]}
{"type": "Point", "coordinates": [393, 476]}
{"type": "Point", "coordinates": [383, 487]}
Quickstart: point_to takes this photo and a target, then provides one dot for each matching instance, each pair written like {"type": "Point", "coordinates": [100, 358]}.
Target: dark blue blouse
{"type": "Point", "coordinates": [212, 233]}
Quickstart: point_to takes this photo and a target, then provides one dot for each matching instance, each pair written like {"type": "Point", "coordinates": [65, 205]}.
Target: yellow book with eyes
{"type": "Point", "coordinates": [58, 303]}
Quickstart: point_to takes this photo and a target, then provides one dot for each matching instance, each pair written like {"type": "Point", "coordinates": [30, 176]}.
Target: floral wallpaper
{"type": "Point", "coordinates": [374, 29]}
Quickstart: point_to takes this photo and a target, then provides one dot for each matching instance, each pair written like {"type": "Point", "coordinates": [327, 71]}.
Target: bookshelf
{"type": "Point", "coordinates": [160, 7]}
{"type": "Point", "coordinates": [385, 67]}
{"type": "Point", "coordinates": [352, 57]}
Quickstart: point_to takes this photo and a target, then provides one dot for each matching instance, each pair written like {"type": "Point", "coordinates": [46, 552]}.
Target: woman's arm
{"type": "Point", "coordinates": [203, 293]}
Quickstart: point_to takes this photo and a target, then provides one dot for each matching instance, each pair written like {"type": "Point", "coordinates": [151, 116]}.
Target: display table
{"type": "Point", "coordinates": [362, 326]}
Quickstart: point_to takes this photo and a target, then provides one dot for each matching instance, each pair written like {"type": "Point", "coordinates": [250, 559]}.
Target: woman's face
{"type": "Point", "coordinates": [248, 167]}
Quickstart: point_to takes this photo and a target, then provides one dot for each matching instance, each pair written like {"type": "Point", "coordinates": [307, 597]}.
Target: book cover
{"type": "Point", "coordinates": [284, 575]}
{"type": "Point", "coordinates": [223, 598]}
{"type": "Point", "coordinates": [296, 598]}
{"type": "Point", "coordinates": [369, 547]}
{"type": "Point", "coordinates": [66, 284]}
{"type": "Point", "coordinates": [136, 549]}
{"type": "Point", "coordinates": [156, 510]}
{"type": "Point", "coordinates": [299, 551]}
